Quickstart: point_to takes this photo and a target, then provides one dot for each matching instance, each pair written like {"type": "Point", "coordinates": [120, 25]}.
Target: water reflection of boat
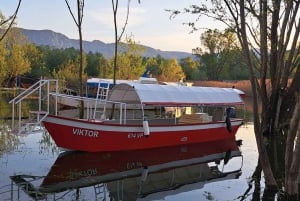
{"type": "Point", "coordinates": [143, 174]}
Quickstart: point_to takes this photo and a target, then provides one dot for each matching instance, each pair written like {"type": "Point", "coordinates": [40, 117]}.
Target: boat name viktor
{"type": "Point", "coordinates": [85, 132]}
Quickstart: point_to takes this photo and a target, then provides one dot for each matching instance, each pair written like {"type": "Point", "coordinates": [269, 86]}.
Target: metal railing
{"type": "Point", "coordinates": [44, 90]}
{"type": "Point", "coordinates": [38, 87]}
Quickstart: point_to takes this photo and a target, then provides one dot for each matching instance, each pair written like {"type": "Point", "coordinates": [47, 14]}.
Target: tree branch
{"type": "Point", "coordinates": [126, 21]}
{"type": "Point", "coordinates": [70, 10]}
{"type": "Point", "coordinates": [293, 48]}
{"type": "Point", "coordinates": [11, 19]}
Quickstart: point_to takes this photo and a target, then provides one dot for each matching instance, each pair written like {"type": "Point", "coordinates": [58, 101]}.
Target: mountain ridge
{"type": "Point", "coordinates": [58, 40]}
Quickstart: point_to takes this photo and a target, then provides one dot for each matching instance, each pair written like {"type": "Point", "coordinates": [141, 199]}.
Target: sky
{"type": "Point", "coordinates": [148, 22]}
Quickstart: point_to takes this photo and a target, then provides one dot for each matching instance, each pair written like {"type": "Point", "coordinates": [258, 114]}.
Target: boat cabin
{"type": "Point", "coordinates": [181, 104]}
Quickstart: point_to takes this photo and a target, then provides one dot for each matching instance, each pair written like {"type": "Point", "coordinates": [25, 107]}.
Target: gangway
{"type": "Point", "coordinates": [33, 123]}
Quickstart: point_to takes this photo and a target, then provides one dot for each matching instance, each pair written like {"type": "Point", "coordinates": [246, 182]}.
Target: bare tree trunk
{"type": "Point", "coordinates": [78, 22]}
{"type": "Point", "coordinates": [292, 153]}
{"type": "Point", "coordinates": [264, 159]}
{"type": "Point", "coordinates": [79, 19]}
{"type": "Point", "coordinates": [115, 10]}
{"type": "Point", "coordinates": [117, 40]}
{"type": "Point", "coordinates": [256, 177]}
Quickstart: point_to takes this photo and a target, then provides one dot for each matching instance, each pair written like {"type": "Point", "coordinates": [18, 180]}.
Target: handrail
{"type": "Point", "coordinates": [20, 96]}
{"type": "Point", "coordinates": [87, 99]}
{"type": "Point", "coordinates": [30, 90]}
{"type": "Point", "coordinates": [45, 87]}
{"type": "Point", "coordinates": [36, 87]}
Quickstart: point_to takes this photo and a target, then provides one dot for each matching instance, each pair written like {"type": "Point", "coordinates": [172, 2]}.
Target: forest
{"type": "Point", "coordinates": [24, 63]}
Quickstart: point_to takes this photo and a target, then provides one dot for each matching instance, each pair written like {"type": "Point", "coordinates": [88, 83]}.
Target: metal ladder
{"type": "Point", "coordinates": [101, 98]}
{"type": "Point", "coordinates": [33, 122]}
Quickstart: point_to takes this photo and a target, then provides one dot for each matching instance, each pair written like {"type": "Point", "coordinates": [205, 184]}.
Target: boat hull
{"type": "Point", "coordinates": [92, 136]}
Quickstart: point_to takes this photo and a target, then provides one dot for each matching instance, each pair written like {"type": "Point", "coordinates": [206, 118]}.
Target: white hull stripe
{"type": "Point", "coordinates": [124, 128]}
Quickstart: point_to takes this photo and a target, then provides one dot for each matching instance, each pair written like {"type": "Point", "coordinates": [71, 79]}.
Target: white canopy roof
{"type": "Point", "coordinates": [171, 95]}
{"type": "Point", "coordinates": [103, 81]}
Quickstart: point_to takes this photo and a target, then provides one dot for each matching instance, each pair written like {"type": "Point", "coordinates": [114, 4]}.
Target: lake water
{"type": "Point", "coordinates": [32, 168]}
{"type": "Point", "coordinates": [35, 155]}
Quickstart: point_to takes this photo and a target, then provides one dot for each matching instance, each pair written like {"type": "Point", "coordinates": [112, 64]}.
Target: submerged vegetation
{"type": "Point", "coordinates": [8, 142]}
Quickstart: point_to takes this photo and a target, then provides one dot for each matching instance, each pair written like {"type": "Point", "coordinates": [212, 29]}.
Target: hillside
{"type": "Point", "coordinates": [58, 40]}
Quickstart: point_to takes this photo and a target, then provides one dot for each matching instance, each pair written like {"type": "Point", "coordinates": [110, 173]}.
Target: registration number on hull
{"type": "Point", "coordinates": [135, 135]}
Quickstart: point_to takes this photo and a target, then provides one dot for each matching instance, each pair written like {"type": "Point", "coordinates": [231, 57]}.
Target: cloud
{"type": "Point", "coordinates": [104, 17]}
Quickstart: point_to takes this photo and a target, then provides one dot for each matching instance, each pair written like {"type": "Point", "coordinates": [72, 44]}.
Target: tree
{"type": "Point", "coordinates": [3, 52]}
{"type": "Point", "coordinates": [11, 40]}
{"type": "Point", "coordinates": [268, 32]}
{"type": "Point", "coordinates": [97, 65]}
{"type": "Point", "coordinates": [16, 60]}
{"type": "Point", "coordinates": [216, 41]}
{"type": "Point", "coordinates": [3, 65]}
{"type": "Point", "coordinates": [217, 52]}
{"type": "Point", "coordinates": [36, 59]}
{"type": "Point", "coordinates": [171, 71]}
{"type": "Point", "coordinates": [190, 68]}
{"type": "Point", "coordinates": [154, 64]}
{"type": "Point", "coordinates": [130, 60]}
{"type": "Point", "coordinates": [78, 22]}
{"type": "Point", "coordinates": [67, 71]}
{"type": "Point", "coordinates": [235, 67]}
{"type": "Point", "coordinates": [54, 58]}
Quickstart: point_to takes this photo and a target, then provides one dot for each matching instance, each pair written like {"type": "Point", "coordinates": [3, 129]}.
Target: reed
{"type": "Point", "coordinates": [243, 85]}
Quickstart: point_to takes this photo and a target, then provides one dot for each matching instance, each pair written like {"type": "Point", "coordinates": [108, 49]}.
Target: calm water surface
{"type": "Point", "coordinates": [33, 156]}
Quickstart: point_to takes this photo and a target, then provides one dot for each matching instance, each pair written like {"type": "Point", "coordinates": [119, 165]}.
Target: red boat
{"type": "Point", "coordinates": [149, 173]}
{"type": "Point", "coordinates": [200, 114]}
